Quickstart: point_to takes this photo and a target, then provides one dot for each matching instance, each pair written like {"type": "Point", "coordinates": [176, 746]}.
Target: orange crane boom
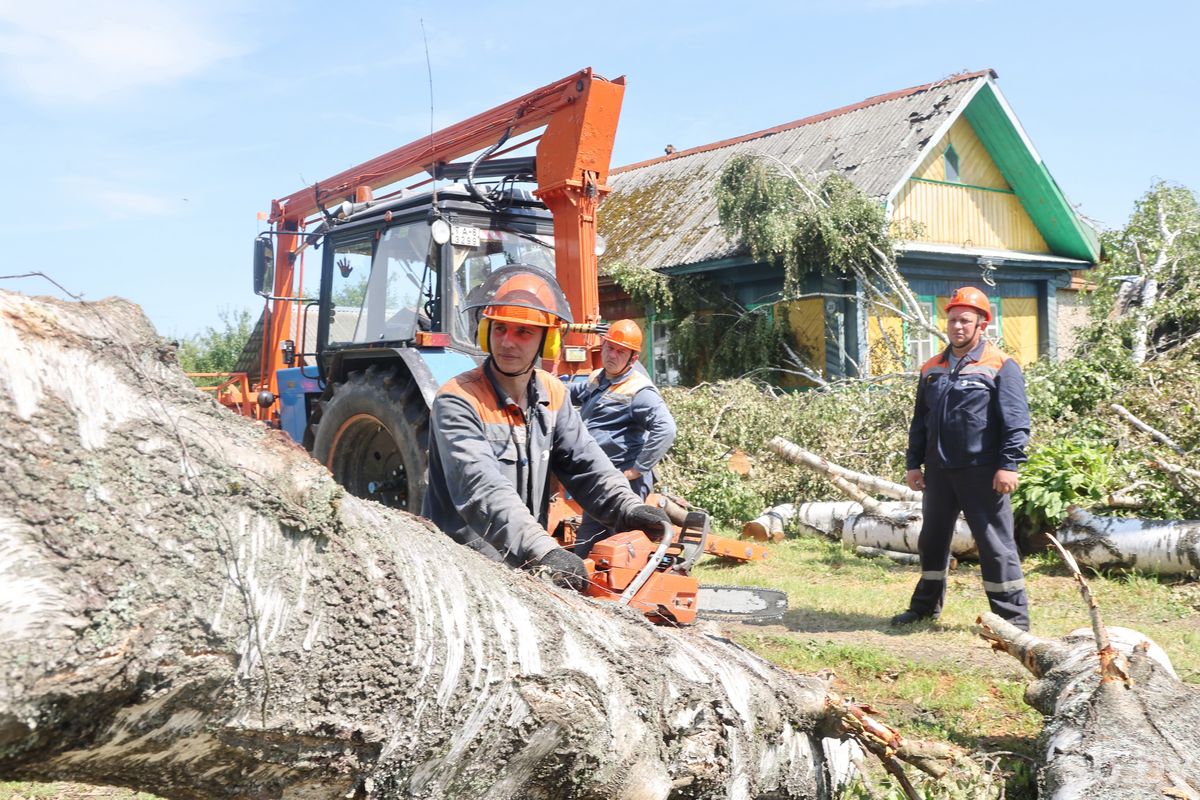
{"type": "Point", "coordinates": [580, 114]}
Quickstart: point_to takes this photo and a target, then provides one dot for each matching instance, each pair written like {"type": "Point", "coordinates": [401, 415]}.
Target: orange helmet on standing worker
{"type": "Point", "coordinates": [625, 333]}
{"type": "Point", "coordinates": [970, 297]}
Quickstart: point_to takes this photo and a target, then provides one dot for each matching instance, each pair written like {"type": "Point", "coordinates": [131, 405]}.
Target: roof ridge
{"type": "Point", "coordinates": [870, 101]}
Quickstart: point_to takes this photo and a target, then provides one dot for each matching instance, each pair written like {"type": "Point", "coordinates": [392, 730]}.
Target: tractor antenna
{"type": "Point", "coordinates": [429, 73]}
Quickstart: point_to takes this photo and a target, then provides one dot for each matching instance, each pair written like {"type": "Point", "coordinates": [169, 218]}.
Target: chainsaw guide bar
{"type": "Point", "coordinates": [742, 603]}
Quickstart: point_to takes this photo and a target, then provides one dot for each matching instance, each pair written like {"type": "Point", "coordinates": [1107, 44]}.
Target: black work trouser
{"type": "Point", "coordinates": [989, 516]}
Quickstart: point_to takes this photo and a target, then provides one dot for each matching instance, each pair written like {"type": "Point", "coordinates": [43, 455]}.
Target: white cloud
{"type": "Point", "coordinates": [72, 51]}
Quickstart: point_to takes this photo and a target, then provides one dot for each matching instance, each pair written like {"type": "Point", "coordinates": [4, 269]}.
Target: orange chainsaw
{"type": "Point", "coordinates": [655, 577]}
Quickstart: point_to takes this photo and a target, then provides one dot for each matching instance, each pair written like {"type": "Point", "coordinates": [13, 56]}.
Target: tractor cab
{"type": "Point", "coordinates": [348, 358]}
{"type": "Point", "coordinates": [393, 275]}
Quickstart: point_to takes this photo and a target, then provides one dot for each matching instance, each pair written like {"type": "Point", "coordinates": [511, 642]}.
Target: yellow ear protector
{"type": "Point", "coordinates": [551, 341]}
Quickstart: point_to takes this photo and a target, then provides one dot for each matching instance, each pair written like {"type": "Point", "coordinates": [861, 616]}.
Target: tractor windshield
{"type": "Point", "coordinates": [477, 253]}
{"type": "Point", "coordinates": [385, 292]}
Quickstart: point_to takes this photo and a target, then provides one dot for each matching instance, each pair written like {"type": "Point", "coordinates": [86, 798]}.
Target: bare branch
{"type": "Point", "coordinates": [1154, 433]}
{"type": "Point", "coordinates": [1113, 666]}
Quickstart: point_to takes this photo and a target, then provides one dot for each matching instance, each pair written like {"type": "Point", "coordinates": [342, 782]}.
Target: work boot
{"type": "Point", "coordinates": [908, 617]}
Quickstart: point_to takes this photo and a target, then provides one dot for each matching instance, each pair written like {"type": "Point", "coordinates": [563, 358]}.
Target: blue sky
{"type": "Point", "coordinates": [141, 138]}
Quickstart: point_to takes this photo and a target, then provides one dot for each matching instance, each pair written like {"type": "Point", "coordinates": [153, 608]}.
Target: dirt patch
{"type": "Point", "coordinates": [934, 645]}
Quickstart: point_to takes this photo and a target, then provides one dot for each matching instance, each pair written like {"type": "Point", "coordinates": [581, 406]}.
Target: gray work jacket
{"type": "Point", "coordinates": [490, 463]}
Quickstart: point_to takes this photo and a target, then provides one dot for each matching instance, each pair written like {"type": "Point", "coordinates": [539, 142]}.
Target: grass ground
{"type": "Point", "coordinates": [940, 680]}
{"type": "Point", "coordinates": [931, 680]}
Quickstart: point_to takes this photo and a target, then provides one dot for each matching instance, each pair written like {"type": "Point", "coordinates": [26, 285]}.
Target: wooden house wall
{"type": "Point", "coordinates": [1014, 327]}
{"type": "Point", "coordinates": [805, 320]}
{"type": "Point", "coordinates": [979, 210]}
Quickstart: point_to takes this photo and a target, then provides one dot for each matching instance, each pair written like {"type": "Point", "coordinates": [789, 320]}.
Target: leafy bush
{"type": "Point", "coordinates": [1061, 473]}
{"type": "Point", "coordinates": [1059, 390]}
{"type": "Point", "coordinates": [726, 496]}
{"type": "Point", "coordinates": [860, 426]}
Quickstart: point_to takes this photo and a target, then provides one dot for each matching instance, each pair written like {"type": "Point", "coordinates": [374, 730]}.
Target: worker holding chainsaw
{"type": "Point", "coordinates": [627, 416]}
{"type": "Point", "coordinates": [969, 431]}
{"type": "Point", "coordinates": [498, 432]}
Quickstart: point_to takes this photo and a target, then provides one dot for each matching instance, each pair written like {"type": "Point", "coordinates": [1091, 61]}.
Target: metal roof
{"type": "Point", "coordinates": [663, 212]}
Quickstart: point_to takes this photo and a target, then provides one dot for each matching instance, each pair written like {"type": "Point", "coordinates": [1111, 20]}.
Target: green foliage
{"type": "Point", "coordinates": [833, 228]}
{"type": "Point", "coordinates": [217, 350]}
{"type": "Point", "coordinates": [717, 346]}
{"type": "Point", "coordinates": [1079, 385]}
{"type": "Point", "coordinates": [1061, 473]}
{"type": "Point", "coordinates": [1130, 252]}
{"type": "Point", "coordinates": [726, 496]}
{"type": "Point", "coordinates": [861, 426]}
{"type": "Point", "coordinates": [713, 336]}
{"type": "Point", "coordinates": [645, 286]}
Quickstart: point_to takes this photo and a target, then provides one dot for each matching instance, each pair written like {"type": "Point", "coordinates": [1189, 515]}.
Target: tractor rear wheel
{"type": "Point", "coordinates": [373, 435]}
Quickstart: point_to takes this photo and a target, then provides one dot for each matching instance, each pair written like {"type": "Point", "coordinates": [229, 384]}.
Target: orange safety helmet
{"type": "Point", "coordinates": [970, 297]}
{"type": "Point", "coordinates": [524, 299]}
{"type": "Point", "coordinates": [625, 333]}
{"type": "Point", "coordinates": [522, 295]}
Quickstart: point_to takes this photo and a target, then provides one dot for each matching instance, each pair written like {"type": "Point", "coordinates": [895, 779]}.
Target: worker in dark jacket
{"type": "Point", "coordinates": [969, 430]}
{"type": "Point", "coordinates": [627, 416]}
{"type": "Point", "coordinates": [497, 433]}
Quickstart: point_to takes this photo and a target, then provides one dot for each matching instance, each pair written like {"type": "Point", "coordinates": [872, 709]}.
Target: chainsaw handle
{"type": "Point", "coordinates": [649, 567]}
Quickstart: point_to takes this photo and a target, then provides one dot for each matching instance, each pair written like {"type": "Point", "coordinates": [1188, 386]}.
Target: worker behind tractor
{"type": "Point", "coordinates": [497, 433]}
{"type": "Point", "coordinates": [969, 430]}
{"type": "Point", "coordinates": [627, 416]}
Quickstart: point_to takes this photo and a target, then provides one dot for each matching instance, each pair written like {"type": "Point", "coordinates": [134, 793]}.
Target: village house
{"type": "Point", "coordinates": [949, 160]}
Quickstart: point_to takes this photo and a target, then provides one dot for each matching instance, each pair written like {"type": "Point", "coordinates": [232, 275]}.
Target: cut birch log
{"type": "Point", "coordinates": [897, 529]}
{"type": "Point", "coordinates": [769, 525]}
{"type": "Point", "coordinates": [1163, 547]}
{"type": "Point", "coordinates": [792, 452]}
{"type": "Point", "coordinates": [189, 605]}
{"type": "Point", "coordinates": [867, 530]}
{"type": "Point", "coordinates": [885, 526]}
{"type": "Point", "coordinates": [826, 517]}
{"type": "Point", "coordinates": [1107, 738]}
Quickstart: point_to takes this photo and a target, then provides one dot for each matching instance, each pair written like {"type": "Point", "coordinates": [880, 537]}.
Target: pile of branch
{"type": "Point", "coordinates": [1120, 723]}
{"type": "Point", "coordinates": [190, 605]}
{"type": "Point", "coordinates": [869, 525]}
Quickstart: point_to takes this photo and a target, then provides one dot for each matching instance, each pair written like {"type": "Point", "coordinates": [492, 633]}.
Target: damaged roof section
{"type": "Point", "coordinates": [663, 212]}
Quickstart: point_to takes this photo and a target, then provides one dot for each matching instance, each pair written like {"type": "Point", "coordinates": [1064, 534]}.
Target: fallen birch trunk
{"type": "Point", "coordinates": [190, 606]}
{"type": "Point", "coordinates": [792, 452]}
{"type": "Point", "coordinates": [826, 517]}
{"type": "Point", "coordinates": [867, 530]}
{"type": "Point", "coordinates": [896, 530]}
{"type": "Point", "coordinates": [1160, 547]}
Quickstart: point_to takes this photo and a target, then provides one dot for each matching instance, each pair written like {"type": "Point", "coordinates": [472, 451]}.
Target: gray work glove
{"type": "Point", "coordinates": [651, 520]}
{"type": "Point", "coordinates": [565, 568]}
